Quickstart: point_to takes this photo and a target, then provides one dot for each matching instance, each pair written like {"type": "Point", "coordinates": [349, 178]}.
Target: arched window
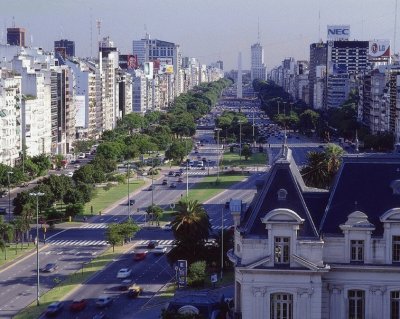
{"type": "Point", "coordinates": [281, 306]}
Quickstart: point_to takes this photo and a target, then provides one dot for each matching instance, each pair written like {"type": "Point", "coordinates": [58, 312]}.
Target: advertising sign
{"type": "Point", "coordinates": [148, 70]}
{"type": "Point", "coordinates": [379, 49]}
{"type": "Point", "coordinates": [338, 32]}
{"type": "Point", "coordinates": [181, 273]}
{"type": "Point", "coordinates": [167, 68]}
{"type": "Point", "coordinates": [132, 62]}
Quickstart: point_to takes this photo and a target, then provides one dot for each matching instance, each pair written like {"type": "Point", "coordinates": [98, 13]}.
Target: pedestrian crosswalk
{"type": "Point", "coordinates": [219, 227]}
{"type": "Point", "coordinates": [94, 226]}
{"type": "Point", "coordinates": [77, 242]}
{"type": "Point", "coordinates": [165, 242]}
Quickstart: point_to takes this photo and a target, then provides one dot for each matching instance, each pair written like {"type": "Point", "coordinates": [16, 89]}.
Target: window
{"type": "Point", "coordinates": [357, 250]}
{"type": "Point", "coordinates": [356, 304]}
{"type": "Point", "coordinates": [396, 248]}
{"type": "Point", "coordinates": [281, 306]}
{"type": "Point", "coordinates": [395, 305]}
{"type": "Point", "coordinates": [282, 193]}
{"type": "Point", "coordinates": [282, 249]}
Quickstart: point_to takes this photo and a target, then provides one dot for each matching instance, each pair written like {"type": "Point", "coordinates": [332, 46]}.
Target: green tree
{"type": "Point", "coordinates": [59, 185]}
{"type": "Point", "coordinates": [315, 173]}
{"type": "Point", "coordinates": [308, 121]}
{"type": "Point", "coordinates": [43, 163]}
{"type": "Point", "coordinates": [114, 235]}
{"type": "Point", "coordinates": [21, 227]}
{"type": "Point", "coordinates": [73, 196]}
{"type": "Point", "coordinates": [74, 209]}
{"type": "Point", "coordinates": [154, 213]}
{"type": "Point", "coordinates": [128, 229]}
{"type": "Point", "coordinates": [177, 151]}
{"type": "Point", "coordinates": [197, 274]}
{"type": "Point", "coordinates": [111, 150]}
{"type": "Point", "coordinates": [6, 234]}
{"type": "Point", "coordinates": [247, 152]}
{"type": "Point", "coordinates": [334, 154]}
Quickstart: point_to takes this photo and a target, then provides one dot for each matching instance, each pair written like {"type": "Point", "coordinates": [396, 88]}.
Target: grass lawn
{"type": "Point", "coordinates": [70, 283]}
{"type": "Point", "coordinates": [104, 198]}
{"type": "Point", "coordinates": [207, 188]}
{"type": "Point", "coordinates": [233, 159]}
{"type": "Point", "coordinates": [12, 252]}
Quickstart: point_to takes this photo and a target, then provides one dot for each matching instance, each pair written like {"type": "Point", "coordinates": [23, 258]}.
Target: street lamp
{"type": "Point", "coordinates": [254, 141]}
{"type": "Point", "coordinates": [218, 151]}
{"type": "Point", "coordinates": [222, 240]}
{"type": "Point", "coordinates": [152, 181]}
{"type": "Point", "coordinates": [9, 196]}
{"type": "Point", "coordinates": [240, 141]}
{"type": "Point", "coordinates": [37, 243]}
{"type": "Point", "coordinates": [129, 202]}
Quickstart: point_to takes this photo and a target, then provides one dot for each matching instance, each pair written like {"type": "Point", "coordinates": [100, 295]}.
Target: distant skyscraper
{"type": "Point", "coordinates": [318, 52]}
{"type": "Point", "coordinates": [65, 47]}
{"type": "Point", "coordinates": [16, 36]}
{"type": "Point", "coordinates": [220, 64]}
{"type": "Point", "coordinates": [258, 68]}
{"type": "Point", "coordinates": [239, 93]}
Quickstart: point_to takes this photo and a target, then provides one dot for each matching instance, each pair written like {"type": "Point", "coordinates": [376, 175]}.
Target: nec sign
{"type": "Point", "coordinates": [338, 32]}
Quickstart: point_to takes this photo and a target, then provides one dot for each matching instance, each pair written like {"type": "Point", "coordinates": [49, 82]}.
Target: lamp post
{"type": "Point", "coordinates": [240, 141]}
{"type": "Point", "coordinates": [129, 202]}
{"type": "Point", "coordinates": [254, 141]}
{"type": "Point", "coordinates": [152, 181]}
{"type": "Point", "coordinates": [187, 178]}
{"type": "Point", "coordinates": [37, 244]}
{"type": "Point", "coordinates": [222, 240]}
{"type": "Point", "coordinates": [217, 130]}
{"type": "Point", "coordinates": [9, 196]}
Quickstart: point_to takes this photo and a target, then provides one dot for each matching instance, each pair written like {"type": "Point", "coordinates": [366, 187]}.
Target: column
{"type": "Point", "coordinates": [374, 302]}
{"type": "Point", "coordinates": [303, 307]}
{"type": "Point", "coordinates": [258, 302]}
{"type": "Point", "coordinates": [336, 301]}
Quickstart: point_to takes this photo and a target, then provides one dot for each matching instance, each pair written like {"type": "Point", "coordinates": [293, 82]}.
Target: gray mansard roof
{"type": "Point", "coordinates": [367, 183]}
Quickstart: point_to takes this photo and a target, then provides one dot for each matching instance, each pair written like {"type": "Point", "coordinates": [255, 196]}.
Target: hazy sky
{"type": "Point", "coordinates": [206, 29]}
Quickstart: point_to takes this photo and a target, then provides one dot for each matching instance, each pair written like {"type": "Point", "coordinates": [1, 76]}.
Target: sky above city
{"type": "Point", "coordinates": [207, 29]}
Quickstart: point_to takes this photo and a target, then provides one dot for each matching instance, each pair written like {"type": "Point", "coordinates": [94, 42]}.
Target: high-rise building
{"type": "Point", "coordinates": [318, 53]}
{"type": "Point", "coordinates": [258, 68]}
{"type": "Point", "coordinates": [239, 84]}
{"type": "Point", "coordinates": [16, 36]}
{"type": "Point", "coordinates": [345, 59]}
{"type": "Point", "coordinates": [65, 47]}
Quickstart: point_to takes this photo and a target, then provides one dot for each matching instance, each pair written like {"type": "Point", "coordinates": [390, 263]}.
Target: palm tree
{"type": "Point", "coordinates": [191, 224]}
{"type": "Point", "coordinates": [21, 226]}
{"type": "Point", "coordinates": [334, 155]}
{"type": "Point", "coordinates": [315, 174]}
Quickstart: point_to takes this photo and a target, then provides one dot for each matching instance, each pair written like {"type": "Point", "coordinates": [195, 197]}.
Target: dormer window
{"type": "Point", "coordinates": [357, 251]}
{"type": "Point", "coordinates": [396, 249]}
{"type": "Point", "coordinates": [282, 193]}
{"type": "Point", "coordinates": [281, 250]}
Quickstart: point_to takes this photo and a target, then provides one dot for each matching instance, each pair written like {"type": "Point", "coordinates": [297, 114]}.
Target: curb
{"type": "Point", "coordinates": [20, 259]}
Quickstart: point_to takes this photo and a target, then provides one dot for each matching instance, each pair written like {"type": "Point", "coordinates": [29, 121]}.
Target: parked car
{"type": "Point", "coordinates": [140, 255]}
{"type": "Point", "coordinates": [54, 308]}
{"type": "Point", "coordinates": [78, 305]}
{"type": "Point", "coordinates": [70, 174]}
{"type": "Point", "coordinates": [134, 291]}
{"type": "Point", "coordinates": [124, 273]}
{"type": "Point", "coordinates": [81, 155]}
{"type": "Point", "coordinates": [152, 244]}
{"type": "Point", "coordinates": [173, 185]}
{"type": "Point", "coordinates": [178, 173]}
{"type": "Point", "coordinates": [131, 202]}
{"type": "Point", "coordinates": [171, 173]}
{"type": "Point", "coordinates": [164, 182]}
{"type": "Point", "coordinates": [104, 301]}
{"type": "Point", "coordinates": [50, 267]}
{"type": "Point", "coordinates": [180, 180]}
{"type": "Point", "coordinates": [160, 250]}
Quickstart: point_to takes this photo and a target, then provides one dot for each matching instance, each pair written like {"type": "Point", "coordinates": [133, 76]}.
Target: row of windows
{"type": "Point", "coordinates": [282, 305]}
{"type": "Point", "coordinates": [282, 250]}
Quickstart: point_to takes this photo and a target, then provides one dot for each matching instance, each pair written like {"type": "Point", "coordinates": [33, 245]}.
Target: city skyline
{"type": "Point", "coordinates": [286, 27]}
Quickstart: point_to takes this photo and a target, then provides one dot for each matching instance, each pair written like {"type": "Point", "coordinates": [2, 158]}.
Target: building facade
{"type": "Point", "coordinates": [316, 254]}
{"type": "Point", "coordinates": [65, 47]}
{"type": "Point", "coordinates": [258, 68]}
{"type": "Point", "coordinates": [16, 36]}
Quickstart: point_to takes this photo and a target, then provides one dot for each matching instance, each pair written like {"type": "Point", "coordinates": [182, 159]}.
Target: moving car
{"type": "Point", "coordinates": [150, 188]}
{"type": "Point", "coordinates": [140, 255]}
{"type": "Point", "coordinates": [171, 173]}
{"type": "Point", "coordinates": [104, 301]}
{"type": "Point", "coordinates": [124, 273]}
{"type": "Point", "coordinates": [54, 308]}
{"type": "Point", "coordinates": [180, 180]}
{"type": "Point", "coordinates": [152, 244]}
{"type": "Point", "coordinates": [49, 267]}
{"type": "Point", "coordinates": [167, 226]}
{"type": "Point", "coordinates": [134, 291]}
{"type": "Point", "coordinates": [100, 315]}
{"type": "Point", "coordinates": [70, 174]}
{"type": "Point", "coordinates": [160, 250]}
{"type": "Point", "coordinates": [173, 185]}
{"type": "Point", "coordinates": [125, 284]}
{"type": "Point", "coordinates": [78, 305]}
{"type": "Point", "coordinates": [164, 182]}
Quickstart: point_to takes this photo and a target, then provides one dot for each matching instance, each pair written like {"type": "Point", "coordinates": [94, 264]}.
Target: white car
{"type": "Point", "coordinates": [70, 174]}
{"type": "Point", "coordinates": [124, 273]}
{"type": "Point", "coordinates": [159, 250]}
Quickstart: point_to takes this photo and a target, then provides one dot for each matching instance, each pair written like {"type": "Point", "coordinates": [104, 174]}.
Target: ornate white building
{"type": "Point", "coordinates": [303, 253]}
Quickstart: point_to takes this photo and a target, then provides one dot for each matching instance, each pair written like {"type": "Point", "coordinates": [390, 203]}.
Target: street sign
{"type": "Point", "coordinates": [182, 273]}
{"type": "Point", "coordinates": [214, 278]}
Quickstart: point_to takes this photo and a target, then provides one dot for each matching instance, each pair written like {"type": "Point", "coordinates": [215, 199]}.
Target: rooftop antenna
{"type": "Point", "coordinates": [13, 22]}
{"type": "Point", "coordinates": [258, 29]}
{"type": "Point", "coordinates": [98, 26]}
{"type": "Point", "coordinates": [91, 33]}
{"type": "Point", "coordinates": [357, 142]}
{"type": "Point", "coordinates": [395, 28]}
{"type": "Point", "coordinates": [319, 24]}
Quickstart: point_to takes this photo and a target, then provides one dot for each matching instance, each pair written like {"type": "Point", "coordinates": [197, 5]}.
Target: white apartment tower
{"type": "Point", "coordinates": [258, 68]}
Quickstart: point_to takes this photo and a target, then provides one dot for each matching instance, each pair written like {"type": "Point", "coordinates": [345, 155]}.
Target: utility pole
{"type": "Point", "coordinates": [240, 141]}
{"type": "Point", "coordinates": [152, 181]}
{"type": "Point", "coordinates": [37, 246]}
{"type": "Point", "coordinates": [222, 240]}
{"type": "Point", "coordinates": [129, 201]}
{"type": "Point", "coordinates": [217, 130]}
